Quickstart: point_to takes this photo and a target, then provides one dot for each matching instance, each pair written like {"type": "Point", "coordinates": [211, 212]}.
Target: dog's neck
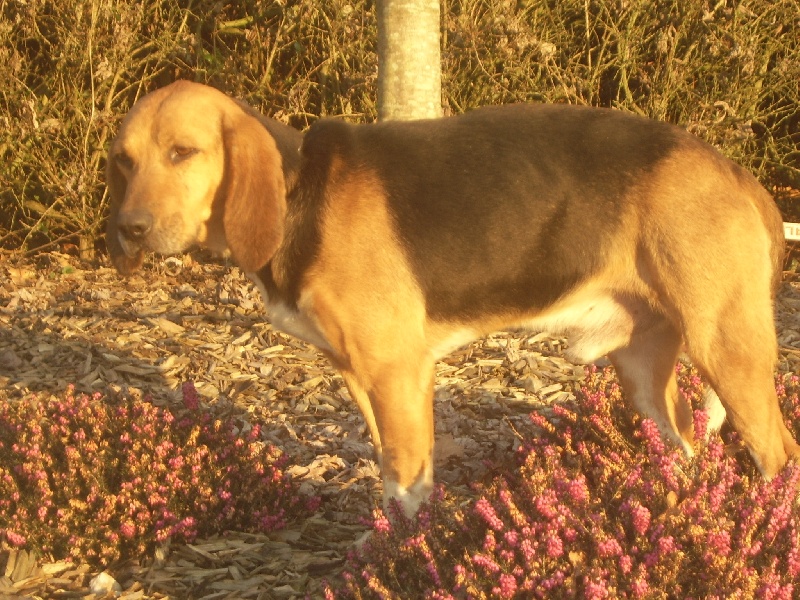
{"type": "Point", "coordinates": [288, 140]}
{"type": "Point", "coordinates": [280, 277]}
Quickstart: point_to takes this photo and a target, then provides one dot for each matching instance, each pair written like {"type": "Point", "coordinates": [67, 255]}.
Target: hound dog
{"type": "Point", "coordinates": [388, 245]}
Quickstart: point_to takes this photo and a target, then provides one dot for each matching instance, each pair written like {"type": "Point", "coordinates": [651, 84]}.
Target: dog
{"type": "Point", "coordinates": [389, 245]}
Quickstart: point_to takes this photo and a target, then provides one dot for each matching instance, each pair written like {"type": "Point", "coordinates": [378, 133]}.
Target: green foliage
{"type": "Point", "coordinates": [726, 70]}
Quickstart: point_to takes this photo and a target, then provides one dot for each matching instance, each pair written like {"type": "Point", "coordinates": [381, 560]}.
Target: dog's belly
{"type": "Point", "coordinates": [594, 325]}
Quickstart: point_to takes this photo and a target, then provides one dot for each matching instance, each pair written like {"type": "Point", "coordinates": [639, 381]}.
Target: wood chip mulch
{"type": "Point", "coordinates": [66, 321]}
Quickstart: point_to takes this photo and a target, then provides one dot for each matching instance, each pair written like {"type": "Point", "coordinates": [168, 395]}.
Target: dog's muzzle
{"type": "Point", "coordinates": [133, 228]}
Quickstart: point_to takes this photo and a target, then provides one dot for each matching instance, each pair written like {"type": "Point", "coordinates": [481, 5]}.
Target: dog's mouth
{"type": "Point", "coordinates": [166, 237]}
{"type": "Point", "coordinates": [127, 263]}
{"type": "Point", "coordinates": [131, 249]}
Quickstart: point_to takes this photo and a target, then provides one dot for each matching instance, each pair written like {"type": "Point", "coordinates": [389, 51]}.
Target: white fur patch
{"type": "Point", "coordinates": [716, 412]}
{"type": "Point", "coordinates": [594, 322]}
{"type": "Point", "coordinates": [452, 341]}
{"type": "Point", "coordinates": [410, 497]}
{"type": "Point", "coordinates": [594, 326]}
{"type": "Point", "coordinates": [294, 322]}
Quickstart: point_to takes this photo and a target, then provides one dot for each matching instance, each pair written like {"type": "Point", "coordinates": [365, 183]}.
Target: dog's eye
{"type": "Point", "coordinates": [180, 153]}
{"type": "Point", "coordinates": [123, 160]}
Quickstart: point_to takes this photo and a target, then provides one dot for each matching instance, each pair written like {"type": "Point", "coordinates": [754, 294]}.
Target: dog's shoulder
{"type": "Point", "coordinates": [327, 137]}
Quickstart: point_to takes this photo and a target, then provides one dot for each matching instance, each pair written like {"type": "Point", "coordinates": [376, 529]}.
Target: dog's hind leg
{"type": "Point", "coordinates": [646, 370]}
{"type": "Point", "coordinates": [736, 353]}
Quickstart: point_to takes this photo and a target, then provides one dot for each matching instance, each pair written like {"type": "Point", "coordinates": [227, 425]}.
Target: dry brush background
{"type": "Point", "coordinates": [726, 70]}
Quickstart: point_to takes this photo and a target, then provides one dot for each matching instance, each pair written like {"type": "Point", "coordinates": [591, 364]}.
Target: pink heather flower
{"type": "Point", "coordinates": [625, 564]}
{"type": "Point", "coordinates": [640, 588]}
{"type": "Point", "coordinates": [489, 542]}
{"type": "Point", "coordinates": [555, 547]}
{"type": "Point", "coordinates": [667, 544]}
{"type": "Point", "coordinates": [461, 574]}
{"type": "Point", "coordinates": [507, 555]}
{"type": "Point", "coordinates": [380, 522]}
{"type": "Point", "coordinates": [511, 538]}
{"type": "Point", "coordinates": [545, 504]}
{"type": "Point", "coordinates": [652, 436]}
{"type": "Point", "coordinates": [793, 560]}
{"type": "Point", "coordinates": [528, 550]}
{"type": "Point", "coordinates": [570, 534]}
{"type": "Point", "coordinates": [481, 560]}
{"type": "Point", "coordinates": [486, 511]}
{"type": "Point", "coordinates": [434, 573]}
{"type": "Point", "coordinates": [641, 518]}
{"type": "Point", "coordinates": [719, 543]}
{"type": "Point", "coordinates": [128, 530]}
{"type": "Point", "coordinates": [595, 590]}
{"type": "Point", "coordinates": [700, 426]}
{"type": "Point", "coordinates": [190, 397]}
{"type": "Point", "coordinates": [507, 587]}
{"type": "Point", "coordinates": [609, 547]}
{"type": "Point", "coordinates": [15, 539]}
{"type": "Point", "coordinates": [553, 581]}
{"type": "Point", "coordinates": [578, 490]}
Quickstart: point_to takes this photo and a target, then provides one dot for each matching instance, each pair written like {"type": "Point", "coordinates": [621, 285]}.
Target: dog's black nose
{"type": "Point", "coordinates": [135, 225]}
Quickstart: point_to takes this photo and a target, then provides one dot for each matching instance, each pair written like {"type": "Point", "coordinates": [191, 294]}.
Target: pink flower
{"type": "Point", "coordinates": [128, 530]}
{"type": "Point", "coordinates": [15, 539]}
{"type": "Point", "coordinates": [719, 543]}
{"type": "Point", "coordinates": [555, 547]}
{"type": "Point", "coordinates": [484, 508]}
{"type": "Point", "coordinates": [481, 560]}
{"type": "Point", "coordinates": [507, 587]}
{"type": "Point", "coordinates": [489, 542]}
{"type": "Point", "coordinates": [190, 398]}
{"type": "Point", "coordinates": [596, 590]}
{"type": "Point", "coordinates": [700, 426]}
{"type": "Point", "coordinates": [652, 436]}
{"type": "Point", "coordinates": [640, 588]}
{"type": "Point", "coordinates": [641, 518]}
{"type": "Point", "coordinates": [625, 564]}
{"type": "Point", "coordinates": [511, 538]}
{"type": "Point", "coordinates": [578, 490]}
{"type": "Point", "coordinates": [609, 547]}
{"type": "Point", "coordinates": [380, 522]}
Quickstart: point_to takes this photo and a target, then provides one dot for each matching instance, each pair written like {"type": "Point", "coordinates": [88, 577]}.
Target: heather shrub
{"type": "Point", "coordinates": [99, 479]}
{"type": "Point", "coordinates": [599, 507]}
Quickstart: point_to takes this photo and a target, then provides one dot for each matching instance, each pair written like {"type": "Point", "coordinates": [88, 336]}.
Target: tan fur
{"type": "Point", "coordinates": [689, 261]}
{"type": "Point", "coordinates": [235, 165]}
{"type": "Point", "coordinates": [372, 315]}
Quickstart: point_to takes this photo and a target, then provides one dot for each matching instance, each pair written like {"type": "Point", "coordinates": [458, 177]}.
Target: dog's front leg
{"type": "Point", "coordinates": [400, 395]}
{"type": "Point", "coordinates": [362, 399]}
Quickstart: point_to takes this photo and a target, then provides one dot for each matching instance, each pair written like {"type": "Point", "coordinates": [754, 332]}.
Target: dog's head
{"type": "Point", "coordinates": [189, 166]}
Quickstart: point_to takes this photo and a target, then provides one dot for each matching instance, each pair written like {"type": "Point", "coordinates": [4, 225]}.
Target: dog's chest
{"type": "Point", "coordinates": [286, 319]}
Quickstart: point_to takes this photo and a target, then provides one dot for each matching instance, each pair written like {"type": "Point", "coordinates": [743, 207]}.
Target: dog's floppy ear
{"type": "Point", "coordinates": [116, 185]}
{"type": "Point", "coordinates": [254, 192]}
